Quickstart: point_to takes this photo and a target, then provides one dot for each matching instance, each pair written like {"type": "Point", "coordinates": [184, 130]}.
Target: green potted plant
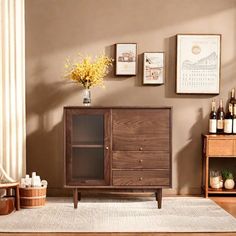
{"type": "Point", "coordinates": [228, 179]}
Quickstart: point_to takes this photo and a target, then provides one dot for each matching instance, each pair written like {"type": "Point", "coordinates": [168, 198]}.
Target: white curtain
{"type": "Point", "coordinates": [12, 88]}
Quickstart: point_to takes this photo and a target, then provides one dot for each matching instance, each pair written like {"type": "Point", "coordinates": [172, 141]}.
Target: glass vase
{"type": "Point", "coordinates": [87, 97]}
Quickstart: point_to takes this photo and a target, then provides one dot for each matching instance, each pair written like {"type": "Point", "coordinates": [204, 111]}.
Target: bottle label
{"type": "Point", "coordinates": [228, 126]}
{"type": "Point", "coordinates": [234, 126]}
{"type": "Point", "coordinates": [220, 124]}
{"type": "Point", "coordinates": [212, 126]}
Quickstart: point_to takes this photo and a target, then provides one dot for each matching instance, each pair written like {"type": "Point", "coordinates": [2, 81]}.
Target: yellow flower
{"type": "Point", "coordinates": [88, 72]}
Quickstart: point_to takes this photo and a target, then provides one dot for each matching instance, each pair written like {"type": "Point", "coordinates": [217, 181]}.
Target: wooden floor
{"type": "Point", "coordinates": [228, 203]}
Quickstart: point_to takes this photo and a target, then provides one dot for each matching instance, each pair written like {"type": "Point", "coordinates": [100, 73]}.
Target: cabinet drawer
{"type": "Point", "coordinates": [145, 129]}
{"type": "Point", "coordinates": [221, 147]}
{"type": "Point", "coordinates": [141, 178]}
{"type": "Point", "coordinates": [139, 160]}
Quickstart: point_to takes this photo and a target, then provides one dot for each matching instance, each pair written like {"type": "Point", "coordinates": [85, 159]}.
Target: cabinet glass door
{"type": "Point", "coordinates": [87, 147]}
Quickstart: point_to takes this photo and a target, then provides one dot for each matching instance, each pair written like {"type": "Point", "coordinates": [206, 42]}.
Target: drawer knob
{"type": "Point", "coordinates": [140, 179]}
{"type": "Point", "coordinates": [140, 161]}
{"type": "Point", "coordinates": [107, 147]}
{"type": "Point", "coordinates": [140, 149]}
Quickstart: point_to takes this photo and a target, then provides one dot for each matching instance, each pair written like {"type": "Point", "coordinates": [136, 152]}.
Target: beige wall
{"type": "Point", "coordinates": [56, 29]}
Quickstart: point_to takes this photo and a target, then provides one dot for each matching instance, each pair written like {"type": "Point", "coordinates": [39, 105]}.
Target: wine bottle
{"type": "Point", "coordinates": [212, 118]}
{"type": "Point", "coordinates": [234, 120]}
{"type": "Point", "coordinates": [232, 100]}
{"type": "Point", "coordinates": [228, 122]}
{"type": "Point", "coordinates": [220, 115]}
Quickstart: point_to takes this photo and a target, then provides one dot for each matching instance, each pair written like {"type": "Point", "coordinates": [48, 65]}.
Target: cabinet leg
{"type": "Point", "coordinates": [159, 197]}
{"type": "Point", "coordinates": [206, 176]}
{"type": "Point", "coordinates": [79, 196]}
{"type": "Point", "coordinates": [75, 198]}
{"type": "Point", "coordinates": [17, 198]}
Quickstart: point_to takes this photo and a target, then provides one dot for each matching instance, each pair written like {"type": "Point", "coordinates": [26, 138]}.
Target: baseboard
{"type": "Point", "coordinates": [182, 191]}
{"type": "Point", "coordinates": [61, 192]}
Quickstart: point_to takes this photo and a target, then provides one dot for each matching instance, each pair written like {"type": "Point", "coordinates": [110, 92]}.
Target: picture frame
{"type": "Point", "coordinates": [126, 59]}
{"type": "Point", "coordinates": [198, 63]}
{"type": "Point", "coordinates": [153, 68]}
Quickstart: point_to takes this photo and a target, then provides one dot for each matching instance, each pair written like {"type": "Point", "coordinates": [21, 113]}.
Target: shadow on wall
{"type": "Point", "coordinates": [46, 143]}
{"type": "Point", "coordinates": [47, 148]}
{"type": "Point", "coordinates": [84, 21]}
{"type": "Point", "coordinates": [186, 155]}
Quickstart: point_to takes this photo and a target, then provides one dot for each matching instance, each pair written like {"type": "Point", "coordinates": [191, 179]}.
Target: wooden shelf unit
{"type": "Point", "coordinates": [221, 191]}
{"type": "Point", "coordinates": [216, 146]}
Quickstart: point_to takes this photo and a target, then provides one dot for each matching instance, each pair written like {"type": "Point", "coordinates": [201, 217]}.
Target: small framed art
{"type": "Point", "coordinates": [153, 68]}
{"type": "Point", "coordinates": [126, 59]}
{"type": "Point", "coordinates": [198, 63]}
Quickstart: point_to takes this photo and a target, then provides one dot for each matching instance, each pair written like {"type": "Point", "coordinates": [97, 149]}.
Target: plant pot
{"type": "Point", "coordinates": [229, 184]}
{"type": "Point", "coordinates": [216, 182]}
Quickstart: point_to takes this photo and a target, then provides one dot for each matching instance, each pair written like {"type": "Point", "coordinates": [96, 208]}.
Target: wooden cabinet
{"type": "Point", "coordinates": [117, 148]}
{"type": "Point", "coordinates": [140, 130]}
{"type": "Point", "coordinates": [216, 146]}
{"type": "Point", "coordinates": [87, 139]}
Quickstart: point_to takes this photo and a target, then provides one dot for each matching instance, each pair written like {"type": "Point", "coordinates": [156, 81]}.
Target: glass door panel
{"type": "Point", "coordinates": [88, 163]}
{"type": "Point", "coordinates": [88, 146]}
{"type": "Point", "coordinates": [87, 130]}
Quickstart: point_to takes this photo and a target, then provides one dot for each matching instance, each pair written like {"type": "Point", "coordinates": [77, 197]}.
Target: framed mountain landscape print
{"type": "Point", "coordinates": [153, 68]}
{"type": "Point", "coordinates": [198, 64]}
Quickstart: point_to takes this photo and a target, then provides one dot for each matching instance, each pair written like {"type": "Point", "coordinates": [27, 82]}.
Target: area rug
{"type": "Point", "coordinates": [178, 214]}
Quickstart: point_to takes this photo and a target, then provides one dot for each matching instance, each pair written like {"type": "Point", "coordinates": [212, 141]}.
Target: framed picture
{"type": "Point", "coordinates": [126, 58]}
{"type": "Point", "coordinates": [198, 64]}
{"type": "Point", "coordinates": [153, 68]}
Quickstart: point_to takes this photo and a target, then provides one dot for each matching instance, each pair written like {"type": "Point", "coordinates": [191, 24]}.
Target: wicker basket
{"type": "Point", "coordinates": [33, 197]}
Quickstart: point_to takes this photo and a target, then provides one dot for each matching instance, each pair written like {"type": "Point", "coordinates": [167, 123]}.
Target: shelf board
{"type": "Point", "coordinates": [221, 156]}
{"type": "Point", "coordinates": [222, 191]}
{"type": "Point", "coordinates": [87, 145]}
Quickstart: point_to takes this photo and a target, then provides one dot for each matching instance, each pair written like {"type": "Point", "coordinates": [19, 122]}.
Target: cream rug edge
{"type": "Point", "coordinates": [178, 214]}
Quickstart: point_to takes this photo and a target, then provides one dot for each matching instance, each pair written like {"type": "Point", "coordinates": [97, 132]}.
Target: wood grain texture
{"type": "Point", "coordinates": [140, 159]}
{"type": "Point", "coordinates": [137, 148]}
{"type": "Point", "coordinates": [120, 234]}
{"type": "Point", "coordinates": [142, 177]}
{"type": "Point", "coordinates": [221, 147]}
{"type": "Point", "coordinates": [216, 146]}
{"type": "Point", "coordinates": [141, 129]}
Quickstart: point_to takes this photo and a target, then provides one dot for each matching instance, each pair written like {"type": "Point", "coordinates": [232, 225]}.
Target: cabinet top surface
{"type": "Point", "coordinates": [220, 136]}
{"type": "Point", "coordinates": [116, 107]}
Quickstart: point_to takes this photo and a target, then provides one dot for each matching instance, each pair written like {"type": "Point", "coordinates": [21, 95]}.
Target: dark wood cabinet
{"type": "Point", "coordinates": [117, 148]}
{"type": "Point", "coordinates": [87, 139]}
